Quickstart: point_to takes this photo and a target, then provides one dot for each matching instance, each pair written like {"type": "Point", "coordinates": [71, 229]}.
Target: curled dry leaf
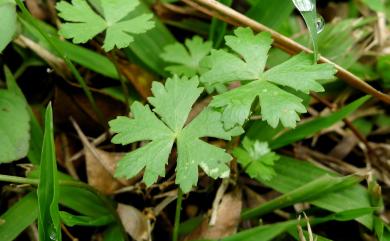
{"type": "Point", "coordinates": [228, 218]}
{"type": "Point", "coordinates": [134, 222]}
{"type": "Point", "coordinates": [100, 170]}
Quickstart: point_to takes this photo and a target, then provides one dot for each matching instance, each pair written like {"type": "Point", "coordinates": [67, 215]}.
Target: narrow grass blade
{"type": "Point", "coordinates": [292, 173]}
{"type": "Point", "coordinates": [271, 13]}
{"type": "Point", "coordinates": [113, 233]}
{"type": "Point", "coordinates": [263, 233]}
{"type": "Point", "coordinates": [295, 235]}
{"type": "Point", "coordinates": [308, 192]}
{"type": "Point", "coordinates": [73, 220]}
{"type": "Point", "coordinates": [218, 28]}
{"type": "Point", "coordinates": [78, 54]}
{"type": "Point", "coordinates": [310, 128]}
{"type": "Point", "coordinates": [18, 217]}
{"type": "Point", "coordinates": [148, 46]}
{"type": "Point", "coordinates": [87, 203]}
{"type": "Point", "coordinates": [63, 55]}
{"type": "Point", "coordinates": [271, 231]}
{"type": "Point", "coordinates": [48, 189]}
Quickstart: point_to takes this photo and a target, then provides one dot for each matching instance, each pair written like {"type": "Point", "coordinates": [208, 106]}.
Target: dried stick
{"type": "Point", "coordinates": [229, 15]}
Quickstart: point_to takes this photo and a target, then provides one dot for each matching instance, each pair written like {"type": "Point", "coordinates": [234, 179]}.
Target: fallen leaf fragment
{"type": "Point", "coordinates": [134, 222]}
{"type": "Point", "coordinates": [228, 218]}
{"type": "Point", "coordinates": [98, 175]}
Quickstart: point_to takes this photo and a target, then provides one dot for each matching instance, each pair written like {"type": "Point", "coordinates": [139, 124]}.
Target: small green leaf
{"type": "Point", "coordinates": [86, 24]}
{"type": "Point", "coordinates": [8, 23]}
{"type": "Point", "coordinates": [172, 103]}
{"type": "Point", "coordinates": [14, 127]}
{"type": "Point", "coordinates": [246, 62]}
{"type": "Point", "coordinates": [185, 59]}
{"type": "Point", "coordinates": [48, 189]}
{"type": "Point", "coordinates": [257, 159]}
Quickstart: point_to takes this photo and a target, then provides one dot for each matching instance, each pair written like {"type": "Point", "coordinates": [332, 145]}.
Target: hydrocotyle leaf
{"type": "Point", "coordinates": [246, 62]}
{"type": "Point", "coordinates": [172, 103]}
{"type": "Point", "coordinates": [14, 127]}
{"type": "Point", "coordinates": [185, 59]}
{"type": "Point", "coordinates": [49, 225]}
{"type": "Point", "coordinates": [86, 24]}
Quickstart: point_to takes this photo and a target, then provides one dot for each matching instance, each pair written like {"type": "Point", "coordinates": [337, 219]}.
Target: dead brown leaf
{"type": "Point", "coordinates": [98, 176]}
{"type": "Point", "coordinates": [138, 77]}
{"type": "Point", "coordinates": [228, 218]}
{"type": "Point", "coordinates": [134, 222]}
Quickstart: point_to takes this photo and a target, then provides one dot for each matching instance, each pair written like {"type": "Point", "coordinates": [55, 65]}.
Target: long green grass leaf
{"type": "Point", "coordinates": [271, 13]}
{"type": "Point", "coordinates": [309, 128]}
{"type": "Point", "coordinates": [292, 173]}
{"type": "Point", "coordinates": [48, 189]}
{"type": "Point", "coordinates": [72, 220]}
{"type": "Point", "coordinates": [308, 192]}
{"type": "Point", "coordinates": [18, 217]}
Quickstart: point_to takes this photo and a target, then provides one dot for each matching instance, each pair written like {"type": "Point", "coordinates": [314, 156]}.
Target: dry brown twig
{"type": "Point", "coordinates": [229, 15]}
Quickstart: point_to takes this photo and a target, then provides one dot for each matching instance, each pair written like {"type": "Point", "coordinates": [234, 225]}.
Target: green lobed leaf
{"type": "Point", "coordinates": [185, 59]}
{"type": "Point", "coordinates": [49, 225]}
{"type": "Point", "coordinates": [172, 103]}
{"type": "Point", "coordinates": [84, 24]}
{"type": "Point", "coordinates": [18, 217]}
{"type": "Point", "coordinates": [8, 23]}
{"type": "Point", "coordinates": [78, 54]}
{"type": "Point", "coordinates": [257, 159]}
{"type": "Point", "coordinates": [247, 62]}
{"type": "Point", "coordinates": [14, 126]}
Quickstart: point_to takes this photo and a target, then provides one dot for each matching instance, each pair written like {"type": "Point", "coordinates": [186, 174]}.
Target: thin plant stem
{"type": "Point", "coordinates": [175, 234]}
{"type": "Point", "coordinates": [114, 60]}
{"type": "Point", "coordinates": [21, 180]}
{"type": "Point", "coordinates": [68, 62]}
